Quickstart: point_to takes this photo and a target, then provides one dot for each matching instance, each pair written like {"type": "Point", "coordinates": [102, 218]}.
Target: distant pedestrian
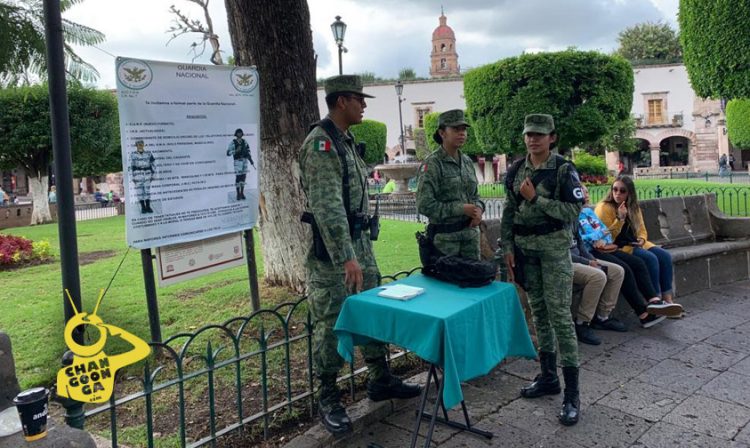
{"type": "Point", "coordinates": [723, 165]}
{"type": "Point", "coordinates": [731, 161]}
{"type": "Point", "coordinates": [52, 196]}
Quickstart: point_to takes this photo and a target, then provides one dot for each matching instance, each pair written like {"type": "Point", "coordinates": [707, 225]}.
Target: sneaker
{"type": "Point", "coordinates": [610, 324]}
{"type": "Point", "coordinates": [651, 320]}
{"type": "Point", "coordinates": [662, 308]}
{"type": "Point", "coordinates": [585, 334]}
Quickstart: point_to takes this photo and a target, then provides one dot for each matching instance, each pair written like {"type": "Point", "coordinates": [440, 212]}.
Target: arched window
{"type": "Point", "coordinates": [442, 47]}
{"type": "Point", "coordinates": [442, 63]}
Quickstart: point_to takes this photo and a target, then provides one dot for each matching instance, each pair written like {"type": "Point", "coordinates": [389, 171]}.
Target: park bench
{"type": "Point", "coordinates": [708, 248]}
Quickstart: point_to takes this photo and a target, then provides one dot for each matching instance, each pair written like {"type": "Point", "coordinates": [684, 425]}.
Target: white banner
{"type": "Point", "coordinates": [190, 141]}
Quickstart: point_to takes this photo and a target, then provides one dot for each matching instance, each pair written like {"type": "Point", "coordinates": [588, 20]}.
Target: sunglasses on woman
{"type": "Point", "coordinates": [619, 190]}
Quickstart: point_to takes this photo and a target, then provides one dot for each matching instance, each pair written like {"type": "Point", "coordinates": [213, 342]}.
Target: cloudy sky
{"type": "Point", "coordinates": [382, 36]}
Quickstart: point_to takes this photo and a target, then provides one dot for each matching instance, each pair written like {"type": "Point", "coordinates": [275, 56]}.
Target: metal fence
{"type": "Point", "coordinates": [403, 207]}
{"type": "Point", "coordinates": [731, 177]}
{"type": "Point", "coordinates": [95, 210]}
{"type": "Point", "coordinates": [232, 380]}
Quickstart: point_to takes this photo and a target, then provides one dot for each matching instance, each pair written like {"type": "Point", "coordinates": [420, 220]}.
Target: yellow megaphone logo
{"type": "Point", "coordinates": [91, 377]}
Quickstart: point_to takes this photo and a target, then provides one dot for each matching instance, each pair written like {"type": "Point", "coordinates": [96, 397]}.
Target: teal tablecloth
{"type": "Point", "coordinates": [466, 331]}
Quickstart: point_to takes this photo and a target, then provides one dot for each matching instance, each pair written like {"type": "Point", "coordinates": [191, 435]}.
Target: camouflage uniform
{"type": "Point", "coordinates": [142, 171]}
{"type": "Point", "coordinates": [538, 233]}
{"type": "Point", "coordinates": [548, 269]}
{"type": "Point", "coordinates": [240, 150]}
{"type": "Point", "coordinates": [322, 183]}
{"type": "Point", "coordinates": [445, 185]}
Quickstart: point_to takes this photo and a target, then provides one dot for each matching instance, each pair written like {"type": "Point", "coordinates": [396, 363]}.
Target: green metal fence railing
{"type": "Point", "coordinates": [227, 380]}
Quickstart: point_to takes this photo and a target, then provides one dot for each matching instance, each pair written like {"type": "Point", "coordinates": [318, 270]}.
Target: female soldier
{"type": "Point", "coordinates": [447, 192]}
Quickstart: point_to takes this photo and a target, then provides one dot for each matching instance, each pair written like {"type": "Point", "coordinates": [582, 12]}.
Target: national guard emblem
{"type": "Point", "coordinates": [134, 74]}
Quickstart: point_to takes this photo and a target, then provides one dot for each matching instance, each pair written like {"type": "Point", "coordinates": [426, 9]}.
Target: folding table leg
{"type": "Point", "coordinates": [422, 403]}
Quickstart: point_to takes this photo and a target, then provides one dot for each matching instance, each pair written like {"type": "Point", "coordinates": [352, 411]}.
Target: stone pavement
{"type": "Point", "coordinates": [681, 383]}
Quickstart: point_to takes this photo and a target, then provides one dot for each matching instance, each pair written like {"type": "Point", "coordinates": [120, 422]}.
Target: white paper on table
{"type": "Point", "coordinates": [400, 292]}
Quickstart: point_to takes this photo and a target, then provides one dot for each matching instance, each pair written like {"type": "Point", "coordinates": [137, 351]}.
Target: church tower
{"type": "Point", "coordinates": [444, 59]}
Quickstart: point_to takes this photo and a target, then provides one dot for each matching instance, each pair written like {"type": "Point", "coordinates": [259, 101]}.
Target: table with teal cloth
{"type": "Point", "coordinates": [465, 331]}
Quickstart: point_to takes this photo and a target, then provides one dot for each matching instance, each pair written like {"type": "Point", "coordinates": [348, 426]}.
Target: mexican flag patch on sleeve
{"type": "Point", "coordinates": [323, 144]}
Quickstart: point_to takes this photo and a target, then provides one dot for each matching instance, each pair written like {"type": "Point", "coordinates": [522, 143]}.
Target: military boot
{"type": "Point", "coordinates": [239, 196]}
{"type": "Point", "coordinates": [332, 412]}
{"type": "Point", "coordinates": [546, 383]}
{"type": "Point", "coordinates": [242, 193]}
{"type": "Point", "coordinates": [148, 206]}
{"type": "Point", "coordinates": [571, 401]}
{"type": "Point", "coordinates": [144, 209]}
{"type": "Point", "coordinates": [384, 386]}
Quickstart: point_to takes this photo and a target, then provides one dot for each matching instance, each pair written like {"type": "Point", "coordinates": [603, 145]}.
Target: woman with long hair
{"type": "Point", "coordinates": [622, 215]}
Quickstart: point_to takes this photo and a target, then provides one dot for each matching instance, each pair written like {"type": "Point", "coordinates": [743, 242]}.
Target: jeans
{"type": "Point", "coordinates": [629, 286]}
{"type": "Point", "coordinates": [659, 264]}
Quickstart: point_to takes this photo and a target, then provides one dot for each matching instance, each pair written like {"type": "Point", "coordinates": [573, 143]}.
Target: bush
{"type": "Point", "coordinates": [738, 122]}
{"type": "Point", "coordinates": [716, 47]}
{"type": "Point", "coordinates": [589, 165]}
{"type": "Point", "coordinates": [17, 250]}
{"type": "Point", "coordinates": [373, 134]}
{"type": "Point", "coordinates": [588, 94]}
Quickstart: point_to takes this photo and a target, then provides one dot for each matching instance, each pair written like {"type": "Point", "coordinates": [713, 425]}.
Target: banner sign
{"type": "Point", "coordinates": [190, 145]}
{"type": "Point", "coordinates": [185, 261]}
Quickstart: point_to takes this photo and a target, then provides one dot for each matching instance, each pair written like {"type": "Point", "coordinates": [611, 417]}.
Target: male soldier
{"type": "Point", "coordinates": [447, 193]}
{"type": "Point", "coordinates": [341, 261]}
{"type": "Point", "coordinates": [142, 171]}
{"type": "Point", "coordinates": [240, 150]}
{"type": "Point", "coordinates": [543, 199]}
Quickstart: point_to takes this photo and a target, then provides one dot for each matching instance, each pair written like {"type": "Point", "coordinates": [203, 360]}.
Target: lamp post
{"type": "Point", "coordinates": [339, 29]}
{"type": "Point", "coordinates": [399, 91]}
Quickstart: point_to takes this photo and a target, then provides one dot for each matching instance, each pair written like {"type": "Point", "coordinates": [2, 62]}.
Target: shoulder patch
{"type": "Point", "coordinates": [424, 167]}
{"type": "Point", "coordinates": [322, 144]}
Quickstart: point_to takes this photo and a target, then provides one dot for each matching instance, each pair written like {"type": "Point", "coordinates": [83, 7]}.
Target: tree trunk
{"type": "Point", "coordinates": [276, 37]}
{"type": "Point", "coordinates": [38, 188]}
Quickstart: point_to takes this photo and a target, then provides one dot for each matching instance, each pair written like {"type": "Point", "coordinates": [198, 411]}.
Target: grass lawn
{"type": "Point", "coordinates": [31, 309]}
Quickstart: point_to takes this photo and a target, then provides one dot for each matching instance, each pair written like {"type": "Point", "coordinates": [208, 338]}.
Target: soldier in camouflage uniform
{"type": "Point", "coordinates": [543, 199]}
{"type": "Point", "coordinates": [341, 261]}
{"type": "Point", "coordinates": [447, 192]}
{"type": "Point", "coordinates": [240, 151]}
{"type": "Point", "coordinates": [142, 171]}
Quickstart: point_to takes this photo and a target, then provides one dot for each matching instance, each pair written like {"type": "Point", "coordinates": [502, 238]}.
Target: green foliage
{"type": "Point", "coordinates": [368, 77]}
{"type": "Point", "coordinates": [407, 74]}
{"type": "Point", "coordinates": [22, 42]}
{"type": "Point", "coordinates": [26, 137]}
{"type": "Point", "coordinates": [716, 46]}
{"type": "Point", "coordinates": [589, 164]}
{"type": "Point", "coordinates": [649, 43]}
{"type": "Point", "coordinates": [373, 134]}
{"type": "Point", "coordinates": [588, 94]}
{"type": "Point", "coordinates": [738, 122]}
{"type": "Point", "coordinates": [470, 148]}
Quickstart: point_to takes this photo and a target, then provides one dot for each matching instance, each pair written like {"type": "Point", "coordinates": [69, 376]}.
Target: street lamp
{"type": "Point", "coordinates": [399, 91]}
{"type": "Point", "coordinates": [339, 29]}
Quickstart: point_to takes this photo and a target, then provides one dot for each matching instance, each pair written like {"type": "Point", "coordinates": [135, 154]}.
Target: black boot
{"type": "Point", "coordinates": [332, 412]}
{"type": "Point", "coordinates": [571, 402]}
{"type": "Point", "coordinates": [148, 206]}
{"type": "Point", "coordinates": [239, 196]}
{"type": "Point", "coordinates": [547, 382]}
{"type": "Point", "coordinates": [144, 209]}
{"type": "Point", "coordinates": [242, 193]}
{"type": "Point", "coordinates": [387, 386]}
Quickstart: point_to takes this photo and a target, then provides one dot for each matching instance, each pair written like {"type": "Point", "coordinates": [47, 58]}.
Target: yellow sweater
{"type": "Point", "coordinates": [608, 215]}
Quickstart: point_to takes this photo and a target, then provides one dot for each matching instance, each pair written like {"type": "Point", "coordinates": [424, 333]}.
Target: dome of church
{"type": "Point", "coordinates": [443, 31]}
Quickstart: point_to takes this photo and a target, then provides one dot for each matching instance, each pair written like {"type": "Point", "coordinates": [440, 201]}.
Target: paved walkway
{"type": "Point", "coordinates": [682, 383]}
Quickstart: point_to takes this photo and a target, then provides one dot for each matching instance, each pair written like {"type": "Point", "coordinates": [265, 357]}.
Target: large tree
{"type": "Point", "coordinates": [716, 41]}
{"type": "Point", "coordinates": [26, 137]}
{"type": "Point", "coordinates": [650, 43]}
{"type": "Point", "coordinates": [23, 50]}
{"type": "Point", "coordinates": [588, 93]}
{"type": "Point", "coordinates": [276, 37]}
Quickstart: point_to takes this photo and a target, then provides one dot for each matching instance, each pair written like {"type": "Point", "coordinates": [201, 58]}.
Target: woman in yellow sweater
{"type": "Point", "coordinates": [620, 212]}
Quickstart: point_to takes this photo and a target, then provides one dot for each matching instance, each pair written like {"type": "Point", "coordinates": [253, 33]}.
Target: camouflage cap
{"type": "Point", "coordinates": [139, 141]}
{"type": "Point", "coordinates": [452, 118]}
{"type": "Point", "coordinates": [539, 124]}
{"type": "Point", "coordinates": [345, 84]}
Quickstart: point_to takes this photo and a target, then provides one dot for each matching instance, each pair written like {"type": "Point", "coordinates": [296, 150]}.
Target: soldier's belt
{"type": "Point", "coordinates": [434, 229]}
{"type": "Point", "coordinates": [541, 229]}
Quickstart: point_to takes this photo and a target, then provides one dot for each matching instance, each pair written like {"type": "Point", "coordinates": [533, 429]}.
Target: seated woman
{"type": "Point", "coordinates": [620, 212]}
{"type": "Point", "coordinates": [598, 240]}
